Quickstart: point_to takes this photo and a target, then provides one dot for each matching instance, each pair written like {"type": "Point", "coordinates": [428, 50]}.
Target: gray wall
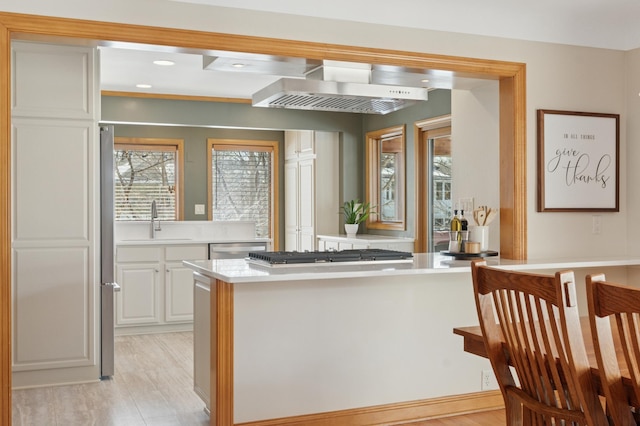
{"type": "Point", "coordinates": [195, 121]}
{"type": "Point", "coordinates": [195, 154]}
{"type": "Point", "coordinates": [439, 104]}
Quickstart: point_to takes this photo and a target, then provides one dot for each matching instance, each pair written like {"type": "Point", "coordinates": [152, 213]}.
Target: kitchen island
{"type": "Point", "coordinates": [367, 343]}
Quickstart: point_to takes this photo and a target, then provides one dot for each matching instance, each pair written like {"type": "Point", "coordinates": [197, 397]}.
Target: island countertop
{"type": "Point", "coordinates": [306, 340]}
{"type": "Point", "coordinates": [241, 271]}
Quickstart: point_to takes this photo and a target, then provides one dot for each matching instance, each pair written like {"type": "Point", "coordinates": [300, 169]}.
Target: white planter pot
{"type": "Point", "coordinates": [351, 228]}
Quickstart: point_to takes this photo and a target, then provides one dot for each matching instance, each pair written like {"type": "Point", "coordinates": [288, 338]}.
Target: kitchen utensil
{"type": "Point", "coordinates": [482, 217]}
{"type": "Point", "coordinates": [475, 216]}
{"type": "Point", "coordinates": [491, 214]}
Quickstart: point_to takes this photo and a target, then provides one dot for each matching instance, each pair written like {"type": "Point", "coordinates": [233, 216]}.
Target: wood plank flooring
{"type": "Point", "coordinates": [487, 418]}
{"type": "Point", "coordinates": [153, 385]}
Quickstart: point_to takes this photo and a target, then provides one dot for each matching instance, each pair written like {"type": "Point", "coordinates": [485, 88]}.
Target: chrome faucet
{"type": "Point", "coordinates": [155, 223]}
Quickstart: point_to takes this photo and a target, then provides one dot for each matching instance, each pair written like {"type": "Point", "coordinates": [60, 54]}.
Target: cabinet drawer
{"type": "Point", "coordinates": [331, 245]}
{"type": "Point", "coordinates": [186, 253]}
{"type": "Point", "coordinates": [138, 254]}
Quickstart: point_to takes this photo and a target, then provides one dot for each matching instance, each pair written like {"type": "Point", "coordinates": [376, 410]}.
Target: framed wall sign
{"type": "Point", "coordinates": [578, 161]}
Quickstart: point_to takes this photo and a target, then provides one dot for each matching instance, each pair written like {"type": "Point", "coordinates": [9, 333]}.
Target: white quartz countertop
{"type": "Point", "coordinates": [241, 271]}
{"type": "Point", "coordinates": [183, 241]}
{"type": "Point", "coordinates": [138, 233]}
{"type": "Point", "coordinates": [369, 238]}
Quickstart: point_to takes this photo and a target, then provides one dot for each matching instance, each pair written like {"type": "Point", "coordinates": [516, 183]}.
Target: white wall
{"type": "Point", "coordinates": [632, 92]}
{"type": "Point", "coordinates": [476, 150]}
{"type": "Point", "coordinates": [558, 77]}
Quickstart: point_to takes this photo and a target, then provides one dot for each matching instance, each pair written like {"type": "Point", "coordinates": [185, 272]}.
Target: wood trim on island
{"type": "Point", "coordinates": [222, 353]}
{"type": "Point", "coordinates": [511, 75]}
{"type": "Point", "coordinates": [394, 413]}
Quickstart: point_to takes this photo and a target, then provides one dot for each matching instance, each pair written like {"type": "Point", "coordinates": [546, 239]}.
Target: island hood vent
{"type": "Point", "coordinates": [338, 89]}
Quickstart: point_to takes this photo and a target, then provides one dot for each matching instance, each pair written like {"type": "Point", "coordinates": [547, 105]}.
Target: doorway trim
{"type": "Point", "coordinates": [512, 90]}
{"type": "Point", "coordinates": [422, 177]}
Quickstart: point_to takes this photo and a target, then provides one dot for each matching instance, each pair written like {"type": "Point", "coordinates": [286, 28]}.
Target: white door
{"type": "Point", "coordinates": [306, 194]}
{"type": "Point", "coordinates": [55, 202]}
{"type": "Point", "coordinates": [291, 205]}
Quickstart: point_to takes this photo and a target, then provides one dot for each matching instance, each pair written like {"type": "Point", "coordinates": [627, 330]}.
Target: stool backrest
{"type": "Point", "coordinates": [531, 322]}
{"type": "Point", "coordinates": [618, 306]}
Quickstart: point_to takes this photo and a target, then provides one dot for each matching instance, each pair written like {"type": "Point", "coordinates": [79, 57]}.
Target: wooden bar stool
{"type": "Point", "coordinates": [530, 322]}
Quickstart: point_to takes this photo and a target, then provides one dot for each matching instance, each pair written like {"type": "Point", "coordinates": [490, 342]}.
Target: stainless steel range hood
{"type": "Point", "coordinates": [338, 88]}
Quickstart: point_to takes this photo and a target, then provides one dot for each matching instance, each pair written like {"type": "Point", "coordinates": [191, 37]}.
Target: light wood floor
{"type": "Point", "coordinates": [487, 418]}
{"type": "Point", "coordinates": [153, 385]}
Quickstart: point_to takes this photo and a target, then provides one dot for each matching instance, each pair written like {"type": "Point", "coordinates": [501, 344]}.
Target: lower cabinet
{"type": "Point", "coordinates": [156, 290]}
{"type": "Point", "coordinates": [137, 302]}
{"type": "Point", "coordinates": [360, 242]}
{"type": "Point", "coordinates": [178, 286]}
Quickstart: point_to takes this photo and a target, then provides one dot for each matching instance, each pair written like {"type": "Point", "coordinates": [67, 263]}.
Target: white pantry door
{"type": "Point", "coordinates": [55, 222]}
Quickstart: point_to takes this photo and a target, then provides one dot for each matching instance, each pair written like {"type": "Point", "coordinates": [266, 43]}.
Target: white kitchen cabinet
{"type": "Point", "coordinates": [138, 271]}
{"type": "Point", "coordinates": [178, 285]}
{"type": "Point", "coordinates": [299, 143]}
{"type": "Point", "coordinates": [138, 301]}
{"type": "Point", "coordinates": [311, 187]}
{"type": "Point", "coordinates": [55, 251]}
{"type": "Point", "coordinates": [364, 241]}
{"type": "Point", "coordinates": [156, 289]}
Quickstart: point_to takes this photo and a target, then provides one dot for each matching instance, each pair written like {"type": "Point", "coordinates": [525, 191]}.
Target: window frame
{"type": "Point", "coordinates": [162, 144]}
{"type": "Point", "coordinates": [374, 141]}
{"type": "Point", "coordinates": [254, 145]}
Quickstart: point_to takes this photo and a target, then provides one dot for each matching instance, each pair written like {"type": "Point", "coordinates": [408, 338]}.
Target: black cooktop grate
{"type": "Point", "coordinates": [291, 257]}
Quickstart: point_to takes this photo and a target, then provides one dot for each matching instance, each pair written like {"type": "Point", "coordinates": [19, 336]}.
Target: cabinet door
{"type": "Point", "coordinates": [306, 205]}
{"type": "Point", "coordinates": [178, 303]}
{"type": "Point", "coordinates": [331, 245]}
{"type": "Point", "coordinates": [306, 143]}
{"type": "Point", "coordinates": [291, 145]}
{"type": "Point", "coordinates": [138, 300]}
{"type": "Point", "coordinates": [291, 205]}
{"type": "Point", "coordinates": [55, 215]}
{"type": "Point", "coordinates": [299, 143]}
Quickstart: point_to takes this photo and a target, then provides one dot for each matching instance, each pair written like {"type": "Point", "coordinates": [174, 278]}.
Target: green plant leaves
{"type": "Point", "coordinates": [356, 212]}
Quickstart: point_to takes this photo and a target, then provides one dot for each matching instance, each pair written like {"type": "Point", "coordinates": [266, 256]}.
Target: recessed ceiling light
{"type": "Point", "coordinates": [164, 62]}
{"type": "Point", "coordinates": [425, 80]}
{"type": "Point", "coordinates": [238, 65]}
{"type": "Point", "coordinates": [144, 86]}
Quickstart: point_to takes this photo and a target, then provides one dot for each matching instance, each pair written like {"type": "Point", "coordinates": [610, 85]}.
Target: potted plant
{"type": "Point", "coordinates": [355, 213]}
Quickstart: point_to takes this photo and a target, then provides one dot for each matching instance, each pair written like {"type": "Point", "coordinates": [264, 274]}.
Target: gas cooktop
{"type": "Point", "coordinates": [274, 258]}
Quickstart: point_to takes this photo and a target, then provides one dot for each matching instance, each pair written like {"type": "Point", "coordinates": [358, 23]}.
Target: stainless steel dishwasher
{"type": "Point", "coordinates": [235, 250]}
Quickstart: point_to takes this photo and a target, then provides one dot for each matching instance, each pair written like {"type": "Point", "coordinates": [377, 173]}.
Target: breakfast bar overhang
{"type": "Point", "coordinates": [367, 341]}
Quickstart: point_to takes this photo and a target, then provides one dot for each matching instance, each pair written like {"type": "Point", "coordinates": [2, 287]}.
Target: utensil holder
{"type": "Point", "coordinates": [480, 234]}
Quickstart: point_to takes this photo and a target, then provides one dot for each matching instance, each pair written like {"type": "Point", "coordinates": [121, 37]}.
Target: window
{"type": "Point", "coordinates": [242, 182]}
{"type": "Point", "coordinates": [440, 206]}
{"type": "Point", "coordinates": [385, 152]}
{"type": "Point", "coordinates": [147, 170]}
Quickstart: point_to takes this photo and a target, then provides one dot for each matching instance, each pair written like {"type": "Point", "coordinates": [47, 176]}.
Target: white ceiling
{"type": "Point", "coordinates": [609, 24]}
